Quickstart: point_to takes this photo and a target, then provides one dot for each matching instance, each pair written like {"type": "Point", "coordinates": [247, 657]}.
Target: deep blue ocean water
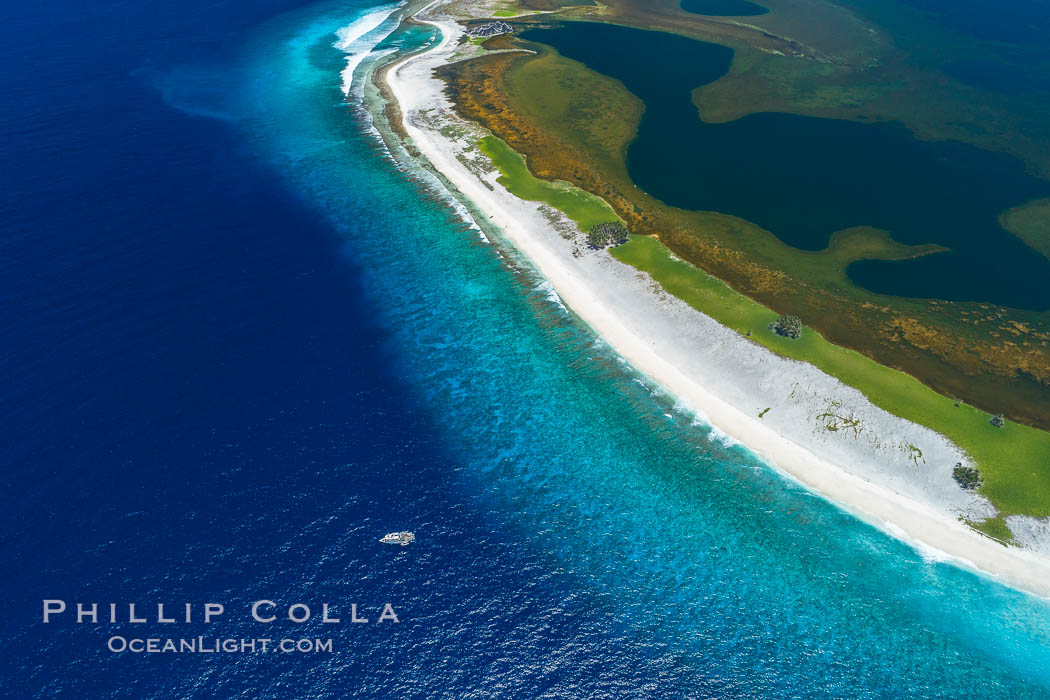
{"type": "Point", "coordinates": [239, 344]}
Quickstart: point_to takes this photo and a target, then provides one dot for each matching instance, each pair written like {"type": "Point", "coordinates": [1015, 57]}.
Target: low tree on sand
{"type": "Point", "coordinates": [607, 234]}
{"type": "Point", "coordinates": [787, 326]}
{"type": "Point", "coordinates": [967, 477]}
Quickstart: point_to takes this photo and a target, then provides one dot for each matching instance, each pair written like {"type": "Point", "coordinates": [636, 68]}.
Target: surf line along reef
{"type": "Point", "coordinates": [886, 469]}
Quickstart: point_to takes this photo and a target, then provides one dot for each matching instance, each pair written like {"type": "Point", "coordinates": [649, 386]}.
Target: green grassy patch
{"type": "Point", "coordinates": [1014, 461]}
{"type": "Point", "coordinates": [576, 125]}
{"type": "Point", "coordinates": [996, 528]}
{"type": "Point", "coordinates": [582, 207]}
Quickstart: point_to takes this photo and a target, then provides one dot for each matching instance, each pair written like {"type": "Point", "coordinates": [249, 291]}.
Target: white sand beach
{"type": "Point", "coordinates": [723, 377]}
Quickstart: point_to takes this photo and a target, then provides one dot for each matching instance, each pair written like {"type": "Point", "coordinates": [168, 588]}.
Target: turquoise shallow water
{"type": "Point", "coordinates": [734, 578]}
{"type": "Point", "coordinates": [578, 535]}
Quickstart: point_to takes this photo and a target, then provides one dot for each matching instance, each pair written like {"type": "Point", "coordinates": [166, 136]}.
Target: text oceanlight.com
{"type": "Point", "coordinates": [262, 612]}
{"type": "Point", "coordinates": [202, 645]}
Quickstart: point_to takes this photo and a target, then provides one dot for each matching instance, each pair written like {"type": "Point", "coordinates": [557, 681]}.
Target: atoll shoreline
{"type": "Point", "coordinates": [724, 378]}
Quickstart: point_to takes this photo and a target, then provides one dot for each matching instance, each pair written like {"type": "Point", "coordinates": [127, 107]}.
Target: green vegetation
{"type": "Point", "coordinates": [996, 528]}
{"type": "Point", "coordinates": [607, 234]}
{"type": "Point", "coordinates": [967, 477]}
{"type": "Point", "coordinates": [1014, 461]}
{"type": "Point", "coordinates": [997, 420]}
{"type": "Point", "coordinates": [582, 207]}
{"type": "Point", "coordinates": [787, 326]}
{"type": "Point", "coordinates": [575, 125]}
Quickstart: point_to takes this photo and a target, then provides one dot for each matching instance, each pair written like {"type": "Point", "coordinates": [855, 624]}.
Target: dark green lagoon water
{"type": "Point", "coordinates": [1006, 47]}
{"type": "Point", "coordinates": [724, 8]}
{"type": "Point", "coordinates": [804, 178]}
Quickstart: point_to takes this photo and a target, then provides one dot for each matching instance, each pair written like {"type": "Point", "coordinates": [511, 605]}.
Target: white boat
{"type": "Point", "coordinates": [402, 538]}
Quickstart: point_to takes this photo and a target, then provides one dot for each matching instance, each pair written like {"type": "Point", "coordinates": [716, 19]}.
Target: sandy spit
{"type": "Point", "coordinates": [713, 371]}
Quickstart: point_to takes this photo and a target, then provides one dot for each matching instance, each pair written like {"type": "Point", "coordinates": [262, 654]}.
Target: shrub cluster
{"type": "Point", "coordinates": [606, 234]}
{"type": "Point", "coordinates": [967, 477]}
{"type": "Point", "coordinates": [787, 326]}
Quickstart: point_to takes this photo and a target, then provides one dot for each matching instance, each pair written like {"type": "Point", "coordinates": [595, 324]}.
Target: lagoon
{"type": "Point", "coordinates": [804, 178]}
{"type": "Point", "coordinates": [724, 8]}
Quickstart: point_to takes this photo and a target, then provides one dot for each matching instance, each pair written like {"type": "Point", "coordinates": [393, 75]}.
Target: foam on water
{"type": "Point", "coordinates": [358, 38]}
{"type": "Point", "coordinates": [573, 541]}
{"type": "Point", "coordinates": [548, 291]}
{"type": "Point", "coordinates": [563, 444]}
